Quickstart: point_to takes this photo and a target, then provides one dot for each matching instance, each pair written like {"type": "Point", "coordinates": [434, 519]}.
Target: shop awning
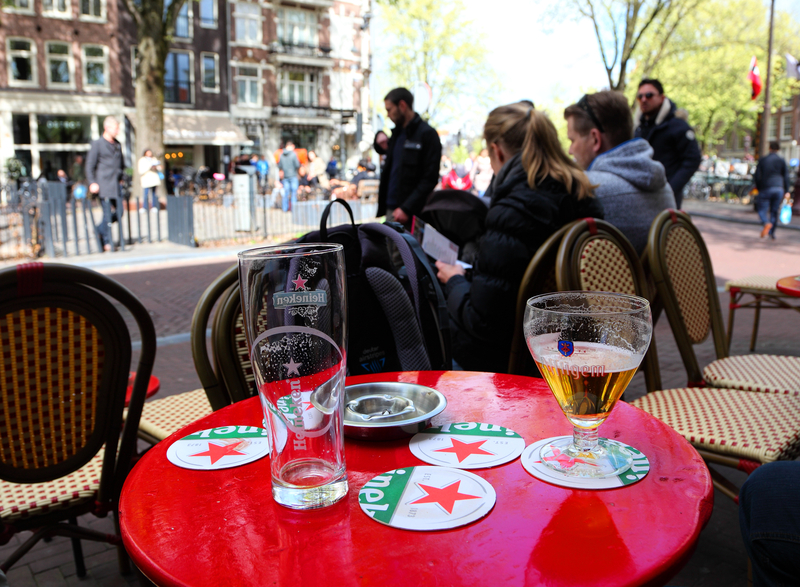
{"type": "Point", "coordinates": [202, 130]}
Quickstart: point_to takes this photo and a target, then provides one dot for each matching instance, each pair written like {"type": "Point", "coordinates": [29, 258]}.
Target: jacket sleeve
{"type": "Point", "coordinates": [431, 157]}
{"type": "Point", "coordinates": [91, 165]}
{"type": "Point", "coordinates": [786, 183]}
{"type": "Point", "coordinates": [690, 158]}
{"type": "Point", "coordinates": [758, 176]}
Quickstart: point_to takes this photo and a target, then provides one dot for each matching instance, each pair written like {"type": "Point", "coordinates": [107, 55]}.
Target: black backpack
{"type": "Point", "coordinates": [398, 319]}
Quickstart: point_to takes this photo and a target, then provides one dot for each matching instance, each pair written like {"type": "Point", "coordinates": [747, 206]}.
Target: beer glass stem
{"type": "Point", "coordinates": [583, 439]}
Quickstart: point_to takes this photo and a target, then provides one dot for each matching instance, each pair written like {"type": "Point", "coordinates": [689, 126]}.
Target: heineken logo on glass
{"type": "Point", "coordinates": [467, 445]}
{"type": "Point", "coordinates": [426, 498]}
{"type": "Point", "coordinates": [301, 296]}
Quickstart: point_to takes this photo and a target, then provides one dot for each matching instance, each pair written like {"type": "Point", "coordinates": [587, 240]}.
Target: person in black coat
{"type": "Point", "coordinates": [772, 181]}
{"type": "Point", "coordinates": [413, 153]}
{"type": "Point", "coordinates": [673, 140]}
{"type": "Point", "coordinates": [536, 190]}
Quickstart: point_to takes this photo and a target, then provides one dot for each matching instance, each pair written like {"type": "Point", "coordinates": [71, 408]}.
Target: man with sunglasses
{"type": "Point", "coordinates": [632, 186]}
{"type": "Point", "coordinates": [673, 140]}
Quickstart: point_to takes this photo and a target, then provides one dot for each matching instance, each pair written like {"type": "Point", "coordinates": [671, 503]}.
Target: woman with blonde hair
{"type": "Point", "coordinates": [537, 189]}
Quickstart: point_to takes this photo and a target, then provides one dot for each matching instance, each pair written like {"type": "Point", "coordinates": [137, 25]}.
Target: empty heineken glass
{"type": "Point", "coordinates": [295, 321]}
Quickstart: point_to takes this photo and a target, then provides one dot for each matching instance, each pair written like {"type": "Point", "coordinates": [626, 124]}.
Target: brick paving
{"type": "Point", "coordinates": [170, 284]}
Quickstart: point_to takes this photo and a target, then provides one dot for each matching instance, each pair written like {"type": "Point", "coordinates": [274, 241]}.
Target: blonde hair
{"type": "Point", "coordinates": [520, 127]}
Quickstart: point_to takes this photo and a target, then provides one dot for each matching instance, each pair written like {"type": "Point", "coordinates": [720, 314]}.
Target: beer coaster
{"type": "Point", "coordinates": [220, 448]}
{"type": "Point", "coordinates": [637, 471]}
{"type": "Point", "coordinates": [426, 498]}
{"type": "Point", "coordinates": [467, 445]}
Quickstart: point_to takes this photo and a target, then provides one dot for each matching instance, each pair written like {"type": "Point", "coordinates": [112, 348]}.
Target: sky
{"type": "Point", "coordinates": [535, 58]}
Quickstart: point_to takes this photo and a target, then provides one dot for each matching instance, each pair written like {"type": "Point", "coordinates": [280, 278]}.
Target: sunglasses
{"type": "Point", "coordinates": [583, 104]}
{"type": "Point", "coordinates": [647, 95]}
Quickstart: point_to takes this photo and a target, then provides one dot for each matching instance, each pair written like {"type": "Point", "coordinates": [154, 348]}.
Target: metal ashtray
{"type": "Point", "coordinates": [389, 410]}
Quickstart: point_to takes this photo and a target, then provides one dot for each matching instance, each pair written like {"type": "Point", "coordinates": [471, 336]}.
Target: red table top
{"type": "Point", "coordinates": [198, 528]}
{"type": "Point", "coordinates": [789, 285]}
{"type": "Point", "coordinates": [152, 387]}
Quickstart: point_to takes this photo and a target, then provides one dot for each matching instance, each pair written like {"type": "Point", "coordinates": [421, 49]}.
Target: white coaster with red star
{"type": "Point", "coordinates": [467, 445]}
{"type": "Point", "coordinates": [220, 448]}
{"type": "Point", "coordinates": [426, 498]}
{"type": "Point", "coordinates": [640, 466]}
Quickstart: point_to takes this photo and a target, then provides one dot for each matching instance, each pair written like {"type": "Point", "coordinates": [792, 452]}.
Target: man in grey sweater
{"type": "Point", "coordinates": [631, 185]}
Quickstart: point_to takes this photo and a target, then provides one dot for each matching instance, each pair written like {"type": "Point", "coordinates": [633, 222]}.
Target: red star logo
{"type": "Point", "coordinates": [299, 283]}
{"type": "Point", "coordinates": [463, 449]}
{"type": "Point", "coordinates": [216, 451]}
{"type": "Point", "coordinates": [445, 497]}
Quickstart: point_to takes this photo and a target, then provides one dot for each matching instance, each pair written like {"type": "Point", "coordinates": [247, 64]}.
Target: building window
{"type": "Point", "coordinates": [298, 88]}
{"type": "Point", "coordinates": [22, 62]}
{"type": "Point", "coordinates": [773, 127]}
{"type": "Point", "coordinates": [93, 10]}
{"type": "Point", "coordinates": [178, 78]}
{"type": "Point", "coordinates": [297, 27]}
{"type": "Point", "coordinates": [208, 13]}
{"type": "Point", "coordinates": [60, 66]}
{"type": "Point", "coordinates": [95, 67]}
{"type": "Point", "coordinates": [786, 131]}
{"type": "Point", "coordinates": [21, 6]}
{"type": "Point", "coordinates": [55, 129]}
{"type": "Point", "coordinates": [57, 8]}
{"type": "Point", "coordinates": [210, 72]}
{"type": "Point", "coordinates": [247, 86]}
{"type": "Point", "coordinates": [248, 23]}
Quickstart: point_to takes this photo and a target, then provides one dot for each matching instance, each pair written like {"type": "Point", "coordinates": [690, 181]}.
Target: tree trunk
{"type": "Point", "coordinates": [150, 93]}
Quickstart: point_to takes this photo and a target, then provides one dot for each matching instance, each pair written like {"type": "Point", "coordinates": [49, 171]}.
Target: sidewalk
{"type": "Point", "coordinates": [169, 280]}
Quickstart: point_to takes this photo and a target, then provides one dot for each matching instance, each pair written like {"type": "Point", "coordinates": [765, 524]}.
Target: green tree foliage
{"type": "Point", "coordinates": [434, 42]}
{"type": "Point", "coordinates": [704, 67]}
{"type": "Point", "coordinates": [622, 26]}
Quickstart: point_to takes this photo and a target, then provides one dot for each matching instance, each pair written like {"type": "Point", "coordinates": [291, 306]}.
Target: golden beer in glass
{"type": "Point", "coordinates": [587, 346]}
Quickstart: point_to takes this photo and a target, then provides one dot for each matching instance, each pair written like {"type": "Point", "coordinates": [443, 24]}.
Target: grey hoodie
{"type": "Point", "coordinates": [632, 187]}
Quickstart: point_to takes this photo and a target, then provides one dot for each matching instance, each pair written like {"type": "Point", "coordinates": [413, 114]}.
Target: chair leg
{"type": "Point", "coordinates": [77, 552]}
{"type": "Point", "coordinates": [122, 554]}
{"type": "Point", "coordinates": [755, 324]}
{"type": "Point", "coordinates": [731, 308]}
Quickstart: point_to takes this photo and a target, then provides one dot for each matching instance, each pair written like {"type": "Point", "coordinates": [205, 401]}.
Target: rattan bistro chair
{"type": "Point", "coordinates": [685, 280]}
{"type": "Point", "coordinates": [164, 416]}
{"type": "Point", "coordinates": [596, 256]}
{"type": "Point", "coordinates": [229, 345]}
{"type": "Point", "coordinates": [66, 356]}
{"type": "Point", "coordinates": [539, 277]}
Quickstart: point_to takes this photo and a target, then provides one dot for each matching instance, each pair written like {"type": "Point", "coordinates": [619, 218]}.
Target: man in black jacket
{"type": "Point", "coordinates": [673, 140]}
{"type": "Point", "coordinates": [411, 170]}
{"type": "Point", "coordinates": [772, 181]}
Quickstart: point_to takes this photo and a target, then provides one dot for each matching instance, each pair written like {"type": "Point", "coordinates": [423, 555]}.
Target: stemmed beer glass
{"type": "Point", "coordinates": [587, 346]}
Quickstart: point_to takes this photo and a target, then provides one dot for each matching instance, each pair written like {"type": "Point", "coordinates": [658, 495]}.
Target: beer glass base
{"type": "Point", "coordinates": [604, 460]}
{"type": "Point", "coordinates": [309, 484]}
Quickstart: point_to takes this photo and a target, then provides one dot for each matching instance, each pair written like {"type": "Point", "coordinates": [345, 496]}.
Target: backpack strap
{"type": "Point", "coordinates": [323, 223]}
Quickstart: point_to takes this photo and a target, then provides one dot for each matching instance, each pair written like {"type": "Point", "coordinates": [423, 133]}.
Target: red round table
{"type": "Point", "coordinates": [789, 285]}
{"type": "Point", "coordinates": [198, 528]}
{"type": "Point", "coordinates": [152, 387]}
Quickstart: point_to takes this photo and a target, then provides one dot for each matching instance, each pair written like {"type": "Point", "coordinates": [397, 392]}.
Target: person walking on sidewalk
{"type": "Point", "coordinates": [772, 182]}
{"type": "Point", "coordinates": [104, 167]}
{"type": "Point", "coordinates": [289, 166]}
{"type": "Point", "coordinates": [150, 175]}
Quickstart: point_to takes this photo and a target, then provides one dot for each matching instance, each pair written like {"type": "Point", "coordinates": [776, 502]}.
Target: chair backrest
{"type": "Point", "coordinates": [64, 374]}
{"type": "Point", "coordinates": [213, 384]}
{"type": "Point", "coordinates": [684, 277]}
{"type": "Point", "coordinates": [229, 345]}
{"type": "Point", "coordinates": [539, 277]}
{"type": "Point", "coordinates": [596, 256]}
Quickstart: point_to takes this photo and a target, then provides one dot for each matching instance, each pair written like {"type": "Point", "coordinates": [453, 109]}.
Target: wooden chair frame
{"type": "Point", "coordinates": [569, 275]}
{"type": "Point", "coordinates": [82, 292]}
{"type": "Point", "coordinates": [539, 277]}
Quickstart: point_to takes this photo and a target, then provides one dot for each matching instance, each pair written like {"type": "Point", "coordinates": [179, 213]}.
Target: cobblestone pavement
{"type": "Point", "coordinates": [171, 282]}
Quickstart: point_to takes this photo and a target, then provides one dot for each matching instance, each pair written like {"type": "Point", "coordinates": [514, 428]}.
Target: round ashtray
{"type": "Point", "coordinates": [389, 410]}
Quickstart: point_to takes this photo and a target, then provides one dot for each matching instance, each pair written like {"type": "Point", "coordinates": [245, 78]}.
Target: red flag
{"type": "Point", "coordinates": [755, 78]}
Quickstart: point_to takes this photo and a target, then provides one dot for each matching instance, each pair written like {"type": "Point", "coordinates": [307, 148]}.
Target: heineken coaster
{"type": "Point", "coordinates": [638, 469]}
{"type": "Point", "coordinates": [426, 498]}
{"type": "Point", "coordinates": [467, 445]}
{"type": "Point", "coordinates": [220, 448]}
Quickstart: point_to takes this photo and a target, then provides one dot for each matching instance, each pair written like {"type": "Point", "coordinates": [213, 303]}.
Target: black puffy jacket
{"type": "Point", "coordinates": [519, 220]}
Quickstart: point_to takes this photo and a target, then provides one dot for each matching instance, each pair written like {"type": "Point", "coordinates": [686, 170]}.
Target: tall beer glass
{"type": "Point", "coordinates": [587, 346]}
{"type": "Point", "coordinates": [295, 320]}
